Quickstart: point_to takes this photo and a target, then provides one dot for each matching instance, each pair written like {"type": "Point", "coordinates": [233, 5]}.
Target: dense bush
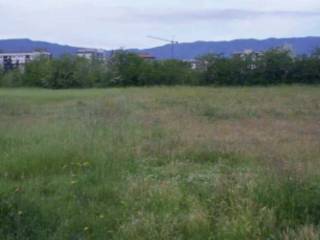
{"type": "Point", "coordinates": [128, 69]}
{"type": "Point", "coordinates": [276, 66]}
{"type": "Point", "coordinates": [12, 78]}
{"type": "Point", "coordinates": [65, 72]}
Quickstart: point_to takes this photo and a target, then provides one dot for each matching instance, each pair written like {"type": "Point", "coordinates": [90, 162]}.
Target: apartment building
{"type": "Point", "coordinates": [15, 60]}
{"type": "Point", "coordinates": [91, 54]}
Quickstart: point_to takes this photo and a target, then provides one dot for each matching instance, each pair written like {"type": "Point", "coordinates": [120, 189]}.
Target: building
{"type": "Point", "coordinates": [15, 60]}
{"type": "Point", "coordinates": [194, 63]}
{"type": "Point", "coordinates": [91, 54]}
{"type": "Point", "coordinates": [146, 56]}
{"type": "Point", "coordinates": [251, 56]}
{"type": "Point", "coordinates": [248, 53]}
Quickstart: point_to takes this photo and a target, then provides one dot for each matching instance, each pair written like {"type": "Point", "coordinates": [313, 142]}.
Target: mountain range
{"type": "Point", "coordinates": [303, 45]}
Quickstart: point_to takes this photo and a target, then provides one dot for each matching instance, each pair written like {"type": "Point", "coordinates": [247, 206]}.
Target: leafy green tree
{"type": "Point", "coordinates": [272, 67]}
{"type": "Point", "coordinates": [68, 72]}
{"type": "Point", "coordinates": [99, 74]}
{"type": "Point", "coordinates": [125, 68]}
{"type": "Point", "coordinates": [208, 67]}
{"type": "Point", "coordinates": [37, 72]}
{"type": "Point", "coordinates": [12, 78]}
{"type": "Point", "coordinates": [276, 66]}
{"type": "Point", "coordinates": [175, 72]}
{"type": "Point", "coordinates": [1, 74]}
{"type": "Point", "coordinates": [150, 74]}
{"type": "Point", "coordinates": [306, 69]}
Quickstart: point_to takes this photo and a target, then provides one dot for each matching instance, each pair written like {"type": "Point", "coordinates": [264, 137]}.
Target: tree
{"type": "Point", "coordinates": [11, 78]}
{"type": "Point", "coordinates": [306, 69]}
{"type": "Point", "coordinates": [276, 66]}
{"type": "Point", "coordinates": [208, 66]}
{"type": "Point", "coordinates": [38, 72]}
{"type": "Point", "coordinates": [125, 68]}
{"type": "Point", "coordinates": [1, 75]}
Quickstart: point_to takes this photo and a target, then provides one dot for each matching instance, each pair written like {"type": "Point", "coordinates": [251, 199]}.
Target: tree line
{"type": "Point", "coordinates": [275, 66]}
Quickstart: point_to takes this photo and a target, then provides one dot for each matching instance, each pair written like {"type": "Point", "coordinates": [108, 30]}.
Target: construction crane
{"type": "Point", "coordinates": [172, 42]}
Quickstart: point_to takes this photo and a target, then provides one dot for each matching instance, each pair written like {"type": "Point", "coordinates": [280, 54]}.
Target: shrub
{"type": "Point", "coordinates": [275, 66]}
{"type": "Point", "coordinates": [12, 78]}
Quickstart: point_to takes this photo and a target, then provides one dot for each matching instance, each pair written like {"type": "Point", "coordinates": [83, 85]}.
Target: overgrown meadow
{"type": "Point", "coordinates": [160, 163]}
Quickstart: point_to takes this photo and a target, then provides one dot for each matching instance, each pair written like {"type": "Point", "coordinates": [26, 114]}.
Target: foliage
{"type": "Point", "coordinates": [13, 78]}
{"type": "Point", "coordinates": [128, 69]}
{"type": "Point", "coordinates": [244, 69]}
{"type": "Point", "coordinates": [37, 72]}
{"type": "Point", "coordinates": [275, 66]}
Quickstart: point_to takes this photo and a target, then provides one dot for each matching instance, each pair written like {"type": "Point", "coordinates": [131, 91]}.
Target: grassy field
{"type": "Point", "coordinates": [160, 163]}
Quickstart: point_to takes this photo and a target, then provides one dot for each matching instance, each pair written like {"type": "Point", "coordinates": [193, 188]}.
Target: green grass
{"type": "Point", "coordinates": [160, 163]}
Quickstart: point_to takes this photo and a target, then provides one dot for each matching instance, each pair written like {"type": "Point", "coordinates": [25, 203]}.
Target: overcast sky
{"type": "Point", "coordinates": [126, 23]}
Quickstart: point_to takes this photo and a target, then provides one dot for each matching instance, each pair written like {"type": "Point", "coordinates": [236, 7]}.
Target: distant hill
{"type": "Point", "coordinates": [191, 50]}
{"type": "Point", "coordinates": [27, 45]}
{"type": "Point", "coordinates": [303, 45]}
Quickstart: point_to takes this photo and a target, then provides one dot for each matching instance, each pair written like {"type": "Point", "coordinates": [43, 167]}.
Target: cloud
{"type": "Point", "coordinates": [111, 24]}
{"type": "Point", "coordinates": [219, 15]}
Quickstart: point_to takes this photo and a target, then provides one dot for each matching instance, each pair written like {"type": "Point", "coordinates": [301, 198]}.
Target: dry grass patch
{"type": "Point", "coordinates": [160, 163]}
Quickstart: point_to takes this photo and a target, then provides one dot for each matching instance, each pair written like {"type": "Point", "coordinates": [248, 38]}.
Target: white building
{"type": "Point", "coordinates": [248, 53]}
{"type": "Point", "coordinates": [194, 63]}
{"type": "Point", "coordinates": [91, 54]}
{"type": "Point", "coordinates": [10, 60]}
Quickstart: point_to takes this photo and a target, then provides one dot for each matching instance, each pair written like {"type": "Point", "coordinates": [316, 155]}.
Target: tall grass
{"type": "Point", "coordinates": [160, 163]}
